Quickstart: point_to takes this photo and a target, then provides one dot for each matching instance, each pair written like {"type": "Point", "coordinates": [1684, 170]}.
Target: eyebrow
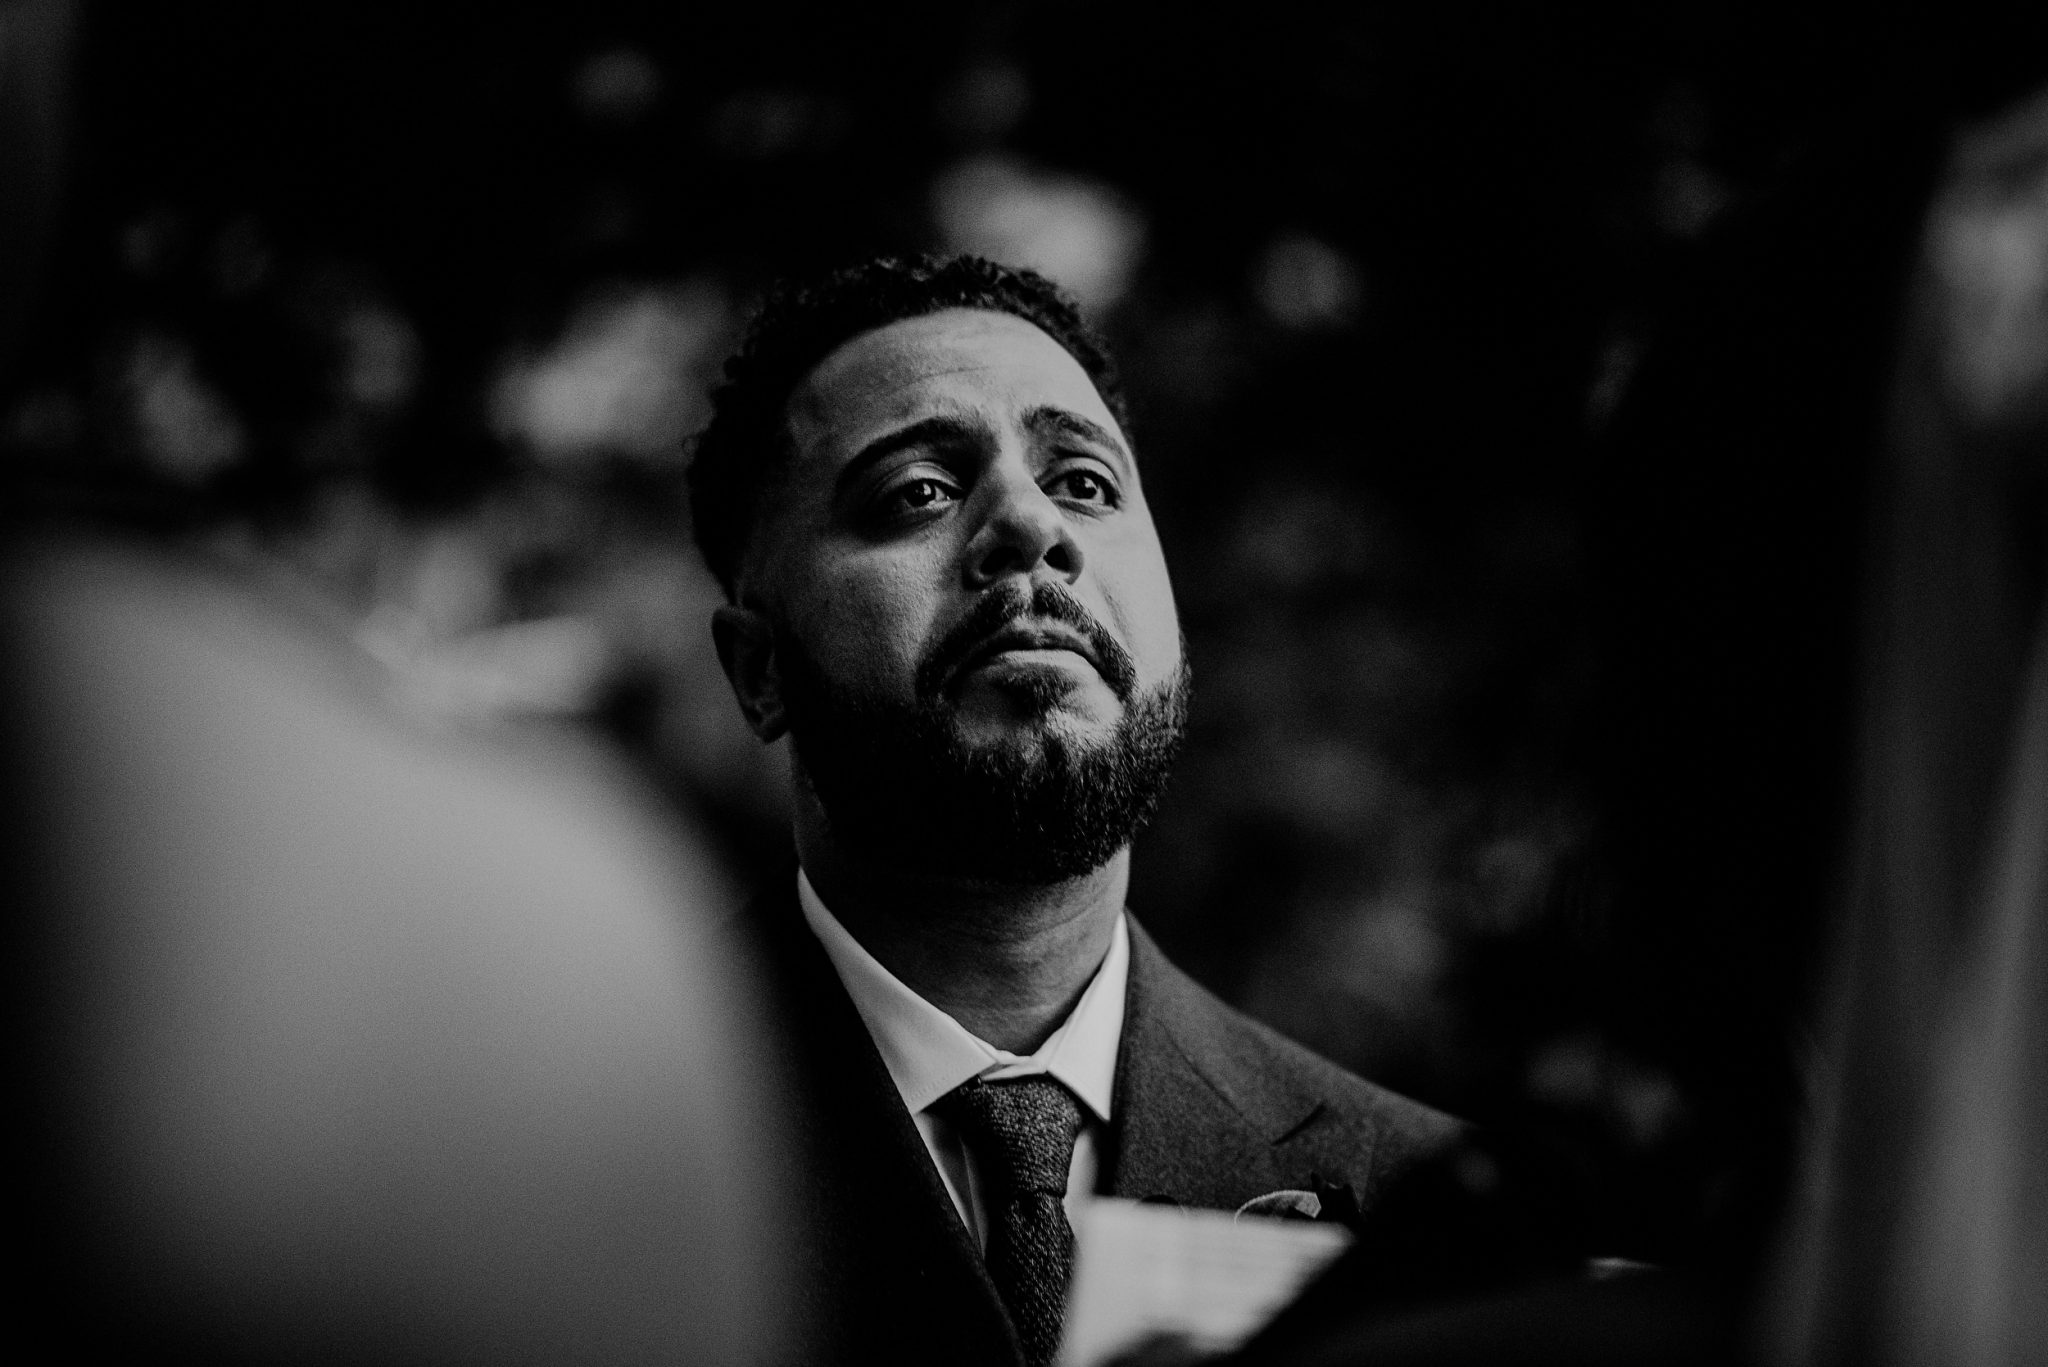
{"type": "Point", "coordinates": [1046, 420]}
{"type": "Point", "coordinates": [949, 431]}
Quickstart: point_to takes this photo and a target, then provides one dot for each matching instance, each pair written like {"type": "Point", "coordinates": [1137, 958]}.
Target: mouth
{"type": "Point", "coordinates": [1021, 641]}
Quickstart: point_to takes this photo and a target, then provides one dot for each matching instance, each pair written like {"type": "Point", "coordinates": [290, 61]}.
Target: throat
{"type": "Point", "coordinates": [1008, 963]}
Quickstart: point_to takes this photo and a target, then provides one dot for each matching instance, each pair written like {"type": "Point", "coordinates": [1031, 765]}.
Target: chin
{"type": "Point", "coordinates": [1026, 721]}
{"type": "Point", "coordinates": [1039, 695]}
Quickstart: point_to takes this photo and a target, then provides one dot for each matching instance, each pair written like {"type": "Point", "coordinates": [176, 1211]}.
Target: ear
{"type": "Point", "coordinates": [746, 650]}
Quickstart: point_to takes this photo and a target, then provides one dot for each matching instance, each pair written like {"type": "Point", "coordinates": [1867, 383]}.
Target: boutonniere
{"type": "Point", "coordinates": [1328, 1202]}
{"type": "Point", "coordinates": [1288, 1204]}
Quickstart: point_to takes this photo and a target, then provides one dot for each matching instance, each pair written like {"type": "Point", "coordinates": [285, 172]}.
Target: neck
{"type": "Point", "coordinates": [1007, 962]}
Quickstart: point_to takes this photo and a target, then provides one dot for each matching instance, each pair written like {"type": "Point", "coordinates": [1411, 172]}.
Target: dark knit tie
{"type": "Point", "coordinates": [1023, 1132]}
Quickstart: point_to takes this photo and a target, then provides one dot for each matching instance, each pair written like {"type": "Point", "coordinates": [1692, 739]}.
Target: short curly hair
{"type": "Point", "coordinates": [801, 323]}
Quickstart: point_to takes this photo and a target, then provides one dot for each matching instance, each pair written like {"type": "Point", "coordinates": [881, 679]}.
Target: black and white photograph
{"type": "Point", "coordinates": [1026, 683]}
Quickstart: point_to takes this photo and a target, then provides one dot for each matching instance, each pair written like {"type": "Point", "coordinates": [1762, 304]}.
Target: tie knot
{"type": "Point", "coordinates": [1023, 1128]}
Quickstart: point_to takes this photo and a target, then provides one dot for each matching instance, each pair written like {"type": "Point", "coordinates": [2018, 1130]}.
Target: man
{"type": "Point", "coordinates": [920, 495]}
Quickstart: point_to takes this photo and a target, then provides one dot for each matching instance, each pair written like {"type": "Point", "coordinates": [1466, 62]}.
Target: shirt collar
{"type": "Point", "coordinates": [928, 1053]}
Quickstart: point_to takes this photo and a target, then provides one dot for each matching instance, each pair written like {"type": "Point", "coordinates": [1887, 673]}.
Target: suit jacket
{"type": "Point", "coordinates": [1210, 1110]}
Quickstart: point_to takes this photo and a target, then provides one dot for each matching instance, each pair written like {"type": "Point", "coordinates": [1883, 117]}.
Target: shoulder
{"type": "Point", "coordinates": [1302, 1099]}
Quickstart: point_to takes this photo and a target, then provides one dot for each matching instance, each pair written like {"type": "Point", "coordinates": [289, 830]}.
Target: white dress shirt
{"type": "Point", "coordinates": [928, 1054]}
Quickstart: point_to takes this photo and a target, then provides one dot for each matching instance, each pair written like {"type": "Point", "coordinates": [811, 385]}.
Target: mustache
{"type": "Point", "coordinates": [1009, 602]}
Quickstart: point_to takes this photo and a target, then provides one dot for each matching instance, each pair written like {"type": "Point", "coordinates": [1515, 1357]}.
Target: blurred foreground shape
{"type": "Point", "coordinates": [348, 1038]}
{"type": "Point", "coordinates": [1921, 1229]}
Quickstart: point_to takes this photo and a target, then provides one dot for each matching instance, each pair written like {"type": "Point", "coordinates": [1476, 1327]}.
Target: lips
{"type": "Point", "coordinates": [1029, 636]}
{"type": "Point", "coordinates": [1017, 617]}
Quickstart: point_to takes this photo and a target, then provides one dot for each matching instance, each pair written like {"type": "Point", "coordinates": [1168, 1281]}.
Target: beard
{"type": "Point", "coordinates": [904, 790]}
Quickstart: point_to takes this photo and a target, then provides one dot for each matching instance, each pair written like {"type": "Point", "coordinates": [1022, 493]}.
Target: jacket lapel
{"type": "Point", "coordinates": [895, 1275]}
{"type": "Point", "coordinates": [1200, 1119]}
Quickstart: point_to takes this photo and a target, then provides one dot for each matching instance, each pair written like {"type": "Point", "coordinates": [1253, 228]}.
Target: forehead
{"type": "Point", "coordinates": [966, 362]}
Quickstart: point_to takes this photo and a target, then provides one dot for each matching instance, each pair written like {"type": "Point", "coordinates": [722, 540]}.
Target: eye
{"type": "Point", "coordinates": [916, 496]}
{"type": "Point", "coordinates": [1085, 486]}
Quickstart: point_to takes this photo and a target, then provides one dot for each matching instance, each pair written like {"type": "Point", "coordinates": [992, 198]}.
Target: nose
{"type": "Point", "coordinates": [1023, 529]}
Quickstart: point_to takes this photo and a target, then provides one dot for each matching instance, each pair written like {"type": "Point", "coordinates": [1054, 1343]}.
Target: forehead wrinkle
{"type": "Point", "coordinates": [940, 374]}
{"type": "Point", "coordinates": [878, 396]}
{"type": "Point", "coordinates": [987, 324]}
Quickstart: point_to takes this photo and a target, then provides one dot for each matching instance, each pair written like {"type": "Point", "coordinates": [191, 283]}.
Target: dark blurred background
{"type": "Point", "coordinates": [1521, 679]}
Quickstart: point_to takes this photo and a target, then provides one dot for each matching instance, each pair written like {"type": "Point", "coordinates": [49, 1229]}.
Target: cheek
{"type": "Point", "coordinates": [1140, 596]}
{"type": "Point", "coordinates": [866, 623]}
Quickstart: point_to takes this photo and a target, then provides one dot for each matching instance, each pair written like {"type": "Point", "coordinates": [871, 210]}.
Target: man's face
{"type": "Point", "coordinates": [938, 460]}
{"type": "Point", "coordinates": [960, 543]}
